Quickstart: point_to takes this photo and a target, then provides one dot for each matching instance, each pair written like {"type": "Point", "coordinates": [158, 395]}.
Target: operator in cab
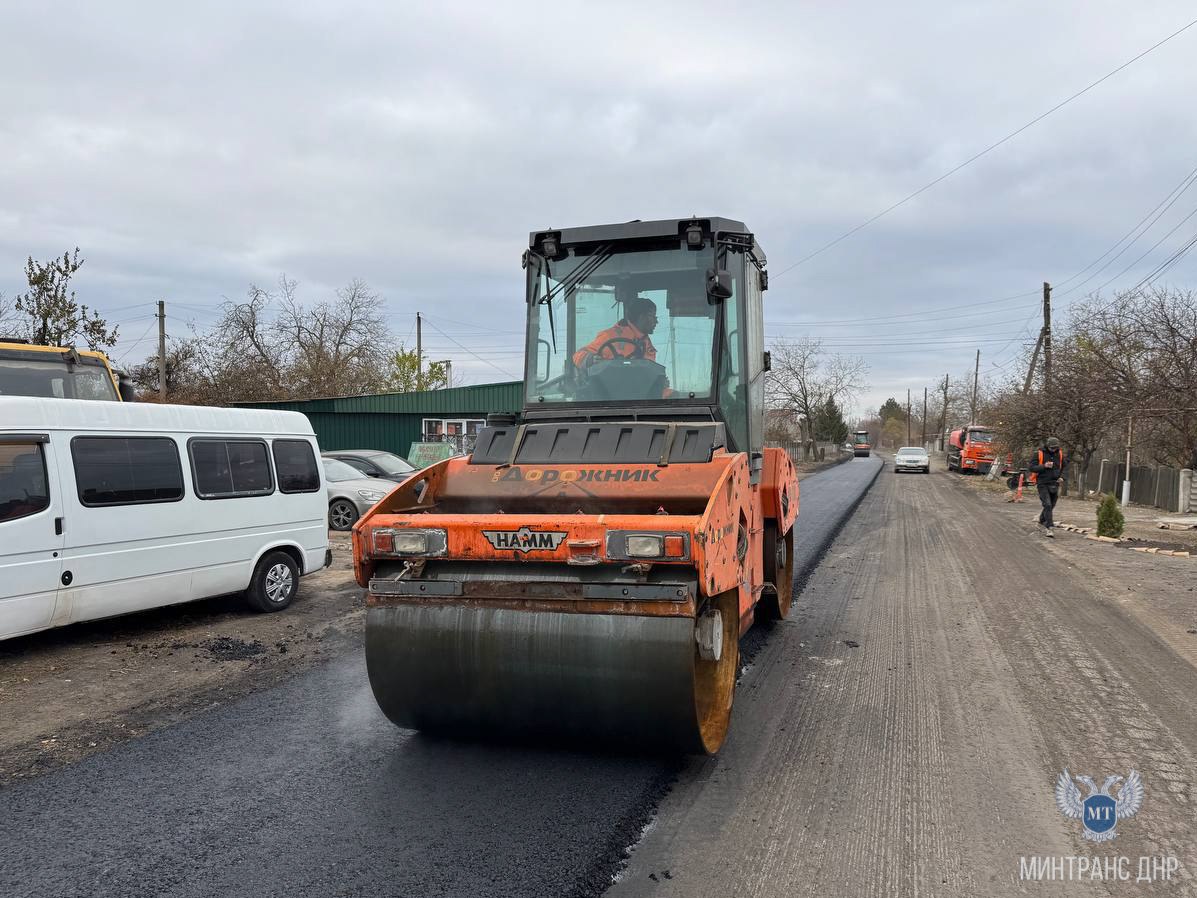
{"type": "Point", "coordinates": [628, 338]}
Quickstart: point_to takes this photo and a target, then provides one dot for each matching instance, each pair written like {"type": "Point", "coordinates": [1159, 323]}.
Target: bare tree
{"type": "Point", "coordinates": [334, 348]}
{"type": "Point", "coordinates": [1145, 342]}
{"type": "Point", "coordinates": [270, 346]}
{"type": "Point", "coordinates": [1076, 408]}
{"type": "Point", "coordinates": [186, 382]}
{"type": "Point", "coordinates": [803, 377]}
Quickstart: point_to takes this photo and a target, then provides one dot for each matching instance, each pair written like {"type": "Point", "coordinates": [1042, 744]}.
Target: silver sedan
{"type": "Point", "coordinates": [350, 493]}
{"type": "Point", "coordinates": [912, 458]}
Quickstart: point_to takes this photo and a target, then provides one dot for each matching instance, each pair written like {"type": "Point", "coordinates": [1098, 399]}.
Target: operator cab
{"type": "Point", "coordinates": [650, 321]}
{"type": "Point", "coordinates": [53, 372]}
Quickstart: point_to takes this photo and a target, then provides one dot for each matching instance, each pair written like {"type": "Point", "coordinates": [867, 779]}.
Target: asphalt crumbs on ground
{"type": "Point", "coordinates": [306, 789]}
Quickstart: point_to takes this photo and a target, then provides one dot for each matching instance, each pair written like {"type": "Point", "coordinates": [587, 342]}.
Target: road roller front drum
{"type": "Point", "coordinates": [644, 682]}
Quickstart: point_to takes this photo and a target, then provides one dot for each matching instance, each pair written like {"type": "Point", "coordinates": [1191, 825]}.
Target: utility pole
{"type": "Point", "coordinates": [924, 442]}
{"type": "Point", "coordinates": [972, 411]}
{"type": "Point", "coordinates": [162, 349]}
{"type": "Point", "coordinates": [943, 412]}
{"type": "Point", "coordinates": [908, 416]}
{"type": "Point", "coordinates": [1026, 387]}
{"type": "Point", "coordinates": [448, 372]}
{"type": "Point", "coordinates": [1047, 335]}
{"type": "Point", "coordinates": [419, 353]}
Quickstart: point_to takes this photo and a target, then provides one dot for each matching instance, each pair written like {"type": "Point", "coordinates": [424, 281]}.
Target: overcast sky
{"type": "Point", "coordinates": [190, 150]}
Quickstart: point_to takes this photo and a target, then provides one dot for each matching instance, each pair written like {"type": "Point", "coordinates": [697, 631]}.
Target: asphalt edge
{"type": "Point", "coordinates": [801, 576]}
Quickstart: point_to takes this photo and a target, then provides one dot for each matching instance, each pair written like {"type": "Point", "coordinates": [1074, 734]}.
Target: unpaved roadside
{"type": "Point", "coordinates": [902, 733]}
{"type": "Point", "coordinates": [1158, 590]}
{"type": "Point", "coordinates": [69, 692]}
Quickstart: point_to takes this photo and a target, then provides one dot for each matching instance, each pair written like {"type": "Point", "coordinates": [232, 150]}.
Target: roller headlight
{"type": "Point", "coordinates": [667, 546]}
{"type": "Point", "coordinates": [645, 546]}
{"type": "Point", "coordinates": [425, 542]}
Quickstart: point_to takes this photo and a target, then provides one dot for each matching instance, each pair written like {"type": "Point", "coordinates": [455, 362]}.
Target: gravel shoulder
{"type": "Point", "coordinates": [73, 691]}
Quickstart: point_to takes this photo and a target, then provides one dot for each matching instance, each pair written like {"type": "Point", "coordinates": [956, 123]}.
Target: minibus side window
{"type": "Point", "coordinates": [126, 470]}
{"type": "Point", "coordinates": [24, 487]}
{"type": "Point", "coordinates": [296, 466]}
{"type": "Point", "coordinates": [227, 469]}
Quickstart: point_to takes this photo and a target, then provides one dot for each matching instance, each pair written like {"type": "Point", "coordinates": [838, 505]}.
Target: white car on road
{"type": "Point", "coordinates": [912, 458]}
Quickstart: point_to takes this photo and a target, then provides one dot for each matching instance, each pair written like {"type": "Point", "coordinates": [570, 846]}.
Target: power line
{"type": "Point", "coordinates": [1171, 198]}
{"type": "Point", "coordinates": [471, 352]}
{"type": "Point", "coordinates": [930, 313]}
{"type": "Point", "coordinates": [965, 329]}
{"type": "Point", "coordinates": [140, 339]}
{"type": "Point", "coordinates": [1167, 264]}
{"type": "Point", "coordinates": [1149, 251]}
{"type": "Point", "coordinates": [987, 150]}
{"type": "Point", "coordinates": [474, 326]}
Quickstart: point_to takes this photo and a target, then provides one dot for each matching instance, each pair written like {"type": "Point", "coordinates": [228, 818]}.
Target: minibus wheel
{"type": "Point", "coordinates": [274, 584]}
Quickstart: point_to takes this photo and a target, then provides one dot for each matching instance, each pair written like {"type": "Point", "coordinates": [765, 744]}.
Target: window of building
{"type": "Point", "coordinates": [126, 470]}
{"type": "Point", "coordinates": [296, 466]}
{"type": "Point", "coordinates": [24, 487]}
{"type": "Point", "coordinates": [461, 432]}
{"type": "Point", "coordinates": [225, 469]}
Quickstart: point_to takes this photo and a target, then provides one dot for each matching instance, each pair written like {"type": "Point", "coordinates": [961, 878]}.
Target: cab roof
{"type": "Point", "coordinates": [638, 230]}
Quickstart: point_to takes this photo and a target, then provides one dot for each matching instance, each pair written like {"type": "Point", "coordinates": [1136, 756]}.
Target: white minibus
{"type": "Point", "coordinates": [112, 507]}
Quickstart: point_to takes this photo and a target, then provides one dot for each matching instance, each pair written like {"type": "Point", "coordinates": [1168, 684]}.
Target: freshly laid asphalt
{"type": "Point", "coordinates": [306, 789]}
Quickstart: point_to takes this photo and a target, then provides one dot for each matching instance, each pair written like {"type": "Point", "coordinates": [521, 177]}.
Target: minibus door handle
{"type": "Point", "coordinates": [58, 526]}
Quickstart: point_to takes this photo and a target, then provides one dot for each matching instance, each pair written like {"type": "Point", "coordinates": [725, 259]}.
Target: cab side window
{"type": "Point", "coordinates": [24, 486]}
{"type": "Point", "coordinates": [295, 464]}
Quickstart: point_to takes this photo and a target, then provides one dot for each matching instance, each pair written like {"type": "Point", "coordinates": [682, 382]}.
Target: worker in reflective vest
{"type": "Point", "coordinates": [1047, 468]}
{"type": "Point", "coordinates": [628, 338]}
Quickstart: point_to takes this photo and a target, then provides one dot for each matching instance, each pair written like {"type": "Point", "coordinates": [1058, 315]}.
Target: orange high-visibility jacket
{"type": "Point", "coordinates": [1034, 477]}
{"type": "Point", "coordinates": [624, 330]}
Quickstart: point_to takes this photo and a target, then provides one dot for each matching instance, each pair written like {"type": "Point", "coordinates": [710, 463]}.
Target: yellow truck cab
{"type": "Point", "coordinates": [58, 372]}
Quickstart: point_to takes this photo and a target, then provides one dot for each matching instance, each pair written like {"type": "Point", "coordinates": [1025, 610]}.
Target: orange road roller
{"type": "Point", "coordinates": [588, 569]}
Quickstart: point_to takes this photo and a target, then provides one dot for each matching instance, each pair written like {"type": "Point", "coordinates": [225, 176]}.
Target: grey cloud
{"type": "Point", "coordinates": [191, 151]}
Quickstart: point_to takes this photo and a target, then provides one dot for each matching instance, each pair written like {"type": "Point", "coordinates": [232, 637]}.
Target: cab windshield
{"type": "Point", "coordinates": [980, 436]}
{"type": "Point", "coordinates": [54, 379]}
{"type": "Point", "coordinates": [627, 325]}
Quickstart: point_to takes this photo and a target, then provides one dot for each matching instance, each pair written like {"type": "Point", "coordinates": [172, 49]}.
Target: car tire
{"type": "Point", "coordinates": [342, 514]}
{"type": "Point", "coordinates": [927, 470]}
{"type": "Point", "coordinates": [274, 583]}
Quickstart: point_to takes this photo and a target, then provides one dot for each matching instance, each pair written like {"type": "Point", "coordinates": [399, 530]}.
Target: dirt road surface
{"type": "Point", "coordinates": [902, 734]}
{"type": "Point", "coordinates": [305, 789]}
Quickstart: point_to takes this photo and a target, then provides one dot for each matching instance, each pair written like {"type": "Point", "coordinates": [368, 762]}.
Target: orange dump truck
{"type": "Point", "coordinates": [588, 571]}
{"type": "Point", "coordinates": [971, 450]}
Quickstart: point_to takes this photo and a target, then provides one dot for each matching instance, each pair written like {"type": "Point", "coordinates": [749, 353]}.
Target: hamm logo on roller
{"type": "Point", "coordinates": [525, 540]}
